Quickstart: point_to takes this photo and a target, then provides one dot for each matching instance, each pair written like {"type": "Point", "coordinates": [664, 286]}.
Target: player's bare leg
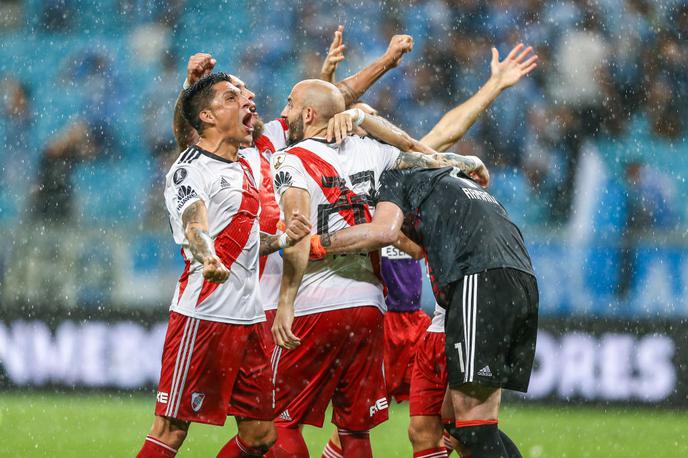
{"type": "Point", "coordinates": [254, 438]}
{"type": "Point", "coordinates": [166, 436]}
{"type": "Point", "coordinates": [425, 433]}
{"type": "Point", "coordinates": [290, 443]}
{"type": "Point", "coordinates": [476, 409]}
{"type": "Point", "coordinates": [333, 449]}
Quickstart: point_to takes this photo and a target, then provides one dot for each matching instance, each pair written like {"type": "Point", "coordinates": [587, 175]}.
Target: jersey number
{"type": "Point", "coordinates": [351, 206]}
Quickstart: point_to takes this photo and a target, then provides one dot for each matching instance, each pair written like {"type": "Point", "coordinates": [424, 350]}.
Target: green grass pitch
{"type": "Point", "coordinates": [114, 425]}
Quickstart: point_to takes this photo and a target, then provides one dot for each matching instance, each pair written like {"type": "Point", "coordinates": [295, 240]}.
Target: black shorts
{"type": "Point", "coordinates": [491, 329]}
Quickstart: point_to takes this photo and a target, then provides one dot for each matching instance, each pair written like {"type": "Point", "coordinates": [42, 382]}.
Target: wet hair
{"type": "Point", "coordinates": [198, 97]}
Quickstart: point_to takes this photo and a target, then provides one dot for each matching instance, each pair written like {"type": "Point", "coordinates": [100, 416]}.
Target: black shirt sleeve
{"type": "Point", "coordinates": [392, 189]}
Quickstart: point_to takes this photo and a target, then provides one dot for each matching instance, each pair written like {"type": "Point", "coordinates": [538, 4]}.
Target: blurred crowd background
{"type": "Point", "coordinates": [588, 154]}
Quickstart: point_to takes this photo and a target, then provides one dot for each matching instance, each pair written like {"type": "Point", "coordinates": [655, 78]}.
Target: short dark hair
{"type": "Point", "coordinates": [198, 96]}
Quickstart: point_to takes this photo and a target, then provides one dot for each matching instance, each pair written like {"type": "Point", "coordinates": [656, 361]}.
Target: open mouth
{"type": "Point", "coordinates": [247, 122]}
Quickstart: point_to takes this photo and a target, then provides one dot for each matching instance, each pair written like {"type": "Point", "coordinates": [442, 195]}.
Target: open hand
{"type": "Point", "coordinates": [334, 56]}
{"type": "Point", "coordinates": [517, 64]}
{"type": "Point", "coordinates": [341, 125]}
{"type": "Point", "coordinates": [281, 329]}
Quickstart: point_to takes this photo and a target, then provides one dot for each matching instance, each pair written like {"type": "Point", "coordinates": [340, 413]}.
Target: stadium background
{"type": "Point", "coordinates": [588, 154]}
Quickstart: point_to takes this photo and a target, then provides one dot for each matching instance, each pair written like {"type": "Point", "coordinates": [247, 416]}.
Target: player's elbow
{"type": "Point", "coordinates": [386, 235]}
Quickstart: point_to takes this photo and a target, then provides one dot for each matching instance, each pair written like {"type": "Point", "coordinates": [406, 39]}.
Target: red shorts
{"type": "Point", "coordinates": [429, 380]}
{"type": "Point", "coordinates": [339, 361]}
{"type": "Point", "coordinates": [211, 370]}
{"type": "Point", "coordinates": [403, 331]}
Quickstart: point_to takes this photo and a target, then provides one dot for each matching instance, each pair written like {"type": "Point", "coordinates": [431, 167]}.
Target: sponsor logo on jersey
{"type": "Point", "coordinates": [224, 183]}
{"type": "Point", "coordinates": [197, 401]}
{"type": "Point", "coordinates": [162, 397]}
{"type": "Point", "coordinates": [380, 404]}
{"type": "Point", "coordinates": [179, 176]}
{"type": "Point", "coordinates": [392, 252]}
{"type": "Point", "coordinates": [185, 194]}
{"type": "Point", "coordinates": [283, 179]}
{"type": "Point", "coordinates": [485, 372]}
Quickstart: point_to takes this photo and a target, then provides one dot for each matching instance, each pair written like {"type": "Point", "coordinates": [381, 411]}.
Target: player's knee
{"type": "Point", "coordinates": [169, 431]}
{"type": "Point", "coordinates": [422, 436]}
{"type": "Point", "coordinates": [260, 435]}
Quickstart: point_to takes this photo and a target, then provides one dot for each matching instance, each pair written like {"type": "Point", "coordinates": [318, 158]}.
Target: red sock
{"type": "Point", "coordinates": [355, 444]}
{"type": "Point", "coordinates": [437, 452]}
{"type": "Point", "coordinates": [331, 450]}
{"type": "Point", "coordinates": [236, 448]}
{"type": "Point", "coordinates": [290, 444]}
{"type": "Point", "coordinates": [154, 448]}
{"type": "Point", "coordinates": [446, 437]}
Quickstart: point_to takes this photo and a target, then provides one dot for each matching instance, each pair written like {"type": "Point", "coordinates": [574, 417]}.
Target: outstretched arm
{"type": "Point", "coordinates": [355, 86]}
{"type": "Point", "coordinates": [295, 201]}
{"type": "Point", "coordinates": [334, 56]}
{"type": "Point", "coordinates": [383, 230]}
{"type": "Point", "coordinates": [505, 74]}
{"type": "Point", "coordinates": [199, 65]}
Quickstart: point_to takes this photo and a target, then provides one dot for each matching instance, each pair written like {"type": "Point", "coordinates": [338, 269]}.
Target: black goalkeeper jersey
{"type": "Point", "coordinates": [463, 228]}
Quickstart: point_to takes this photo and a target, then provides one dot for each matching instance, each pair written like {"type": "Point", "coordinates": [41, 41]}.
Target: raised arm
{"type": "Point", "coordinates": [295, 201]}
{"type": "Point", "coordinates": [355, 86]}
{"type": "Point", "coordinates": [195, 222]}
{"type": "Point", "coordinates": [199, 65]}
{"type": "Point", "coordinates": [504, 74]}
{"type": "Point", "coordinates": [334, 56]}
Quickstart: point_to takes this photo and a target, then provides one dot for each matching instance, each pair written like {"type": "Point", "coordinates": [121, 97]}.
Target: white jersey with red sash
{"type": "Point", "coordinates": [336, 282]}
{"type": "Point", "coordinates": [230, 193]}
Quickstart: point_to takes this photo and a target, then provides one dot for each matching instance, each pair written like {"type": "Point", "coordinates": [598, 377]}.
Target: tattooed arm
{"type": "Point", "coordinates": [470, 165]}
{"type": "Point", "coordinates": [195, 222]}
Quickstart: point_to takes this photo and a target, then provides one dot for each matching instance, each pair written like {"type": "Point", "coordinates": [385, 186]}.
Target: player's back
{"type": "Point", "coordinates": [229, 191]}
{"type": "Point", "coordinates": [464, 229]}
{"type": "Point", "coordinates": [337, 281]}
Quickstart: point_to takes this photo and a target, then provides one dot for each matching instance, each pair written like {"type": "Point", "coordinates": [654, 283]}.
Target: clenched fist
{"type": "Point", "coordinates": [214, 270]}
{"type": "Point", "coordinates": [200, 65]}
{"type": "Point", "coordinates": [398, 46]}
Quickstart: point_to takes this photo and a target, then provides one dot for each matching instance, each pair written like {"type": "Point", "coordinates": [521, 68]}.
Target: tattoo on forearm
{"type": "Point", "coordinates": [326, 240]}
{"type": "Point", "coordinates": [408, 160]}
{"type": "Point", "coordinates": [349, 94]}
{"type": "Point", "coordinates": [268, 244]}
{"type": "Point", "coordinates": [200, 243]}
{"type": "Point", "coordinates": [465, 164]}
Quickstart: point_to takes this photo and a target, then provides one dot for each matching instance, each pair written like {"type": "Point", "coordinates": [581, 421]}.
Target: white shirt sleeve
{"type": "Point", "coordinates": [287, 172]}
{"type": "Point", "coordinates": [276, 131]}
{"type": "Point", "coordinates": [188, 186]}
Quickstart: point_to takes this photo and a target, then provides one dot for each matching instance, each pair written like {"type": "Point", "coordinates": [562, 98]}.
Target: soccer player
{"type": "Point", "coordinates": [402, 274]}
{"type": "Point", "coordinates": [482, 276]}
{"type": "Point", "coordinates": [214, 362]}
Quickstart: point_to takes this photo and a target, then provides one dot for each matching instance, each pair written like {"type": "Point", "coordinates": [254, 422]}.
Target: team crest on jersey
{"type": "Point", "coordinates": [283, 179]}
{"type": "Point", "coordinates": [179, 176]}
{"type": "Point", "coordinates": [197, 401]}
{"type": "Point", "coordinates": [279, 160]}
{"type": "Point", "coordinates": [185, 194]}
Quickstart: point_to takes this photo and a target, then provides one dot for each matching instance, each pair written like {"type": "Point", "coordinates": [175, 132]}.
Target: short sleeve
{"type": "Point", "coordinates": [392, 189]}
{"type": "Point", "coordinates": [287, 172]}
{"type": "Point", "coordinates": [389, 154]}
{"type": "Point", "coordinates": [188, 186]}
{"type": "Point", "coordinates": [276, 132]}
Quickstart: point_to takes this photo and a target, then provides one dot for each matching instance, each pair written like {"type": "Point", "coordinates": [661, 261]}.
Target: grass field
{"type": "Point", "coordinates": [49, 425]}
